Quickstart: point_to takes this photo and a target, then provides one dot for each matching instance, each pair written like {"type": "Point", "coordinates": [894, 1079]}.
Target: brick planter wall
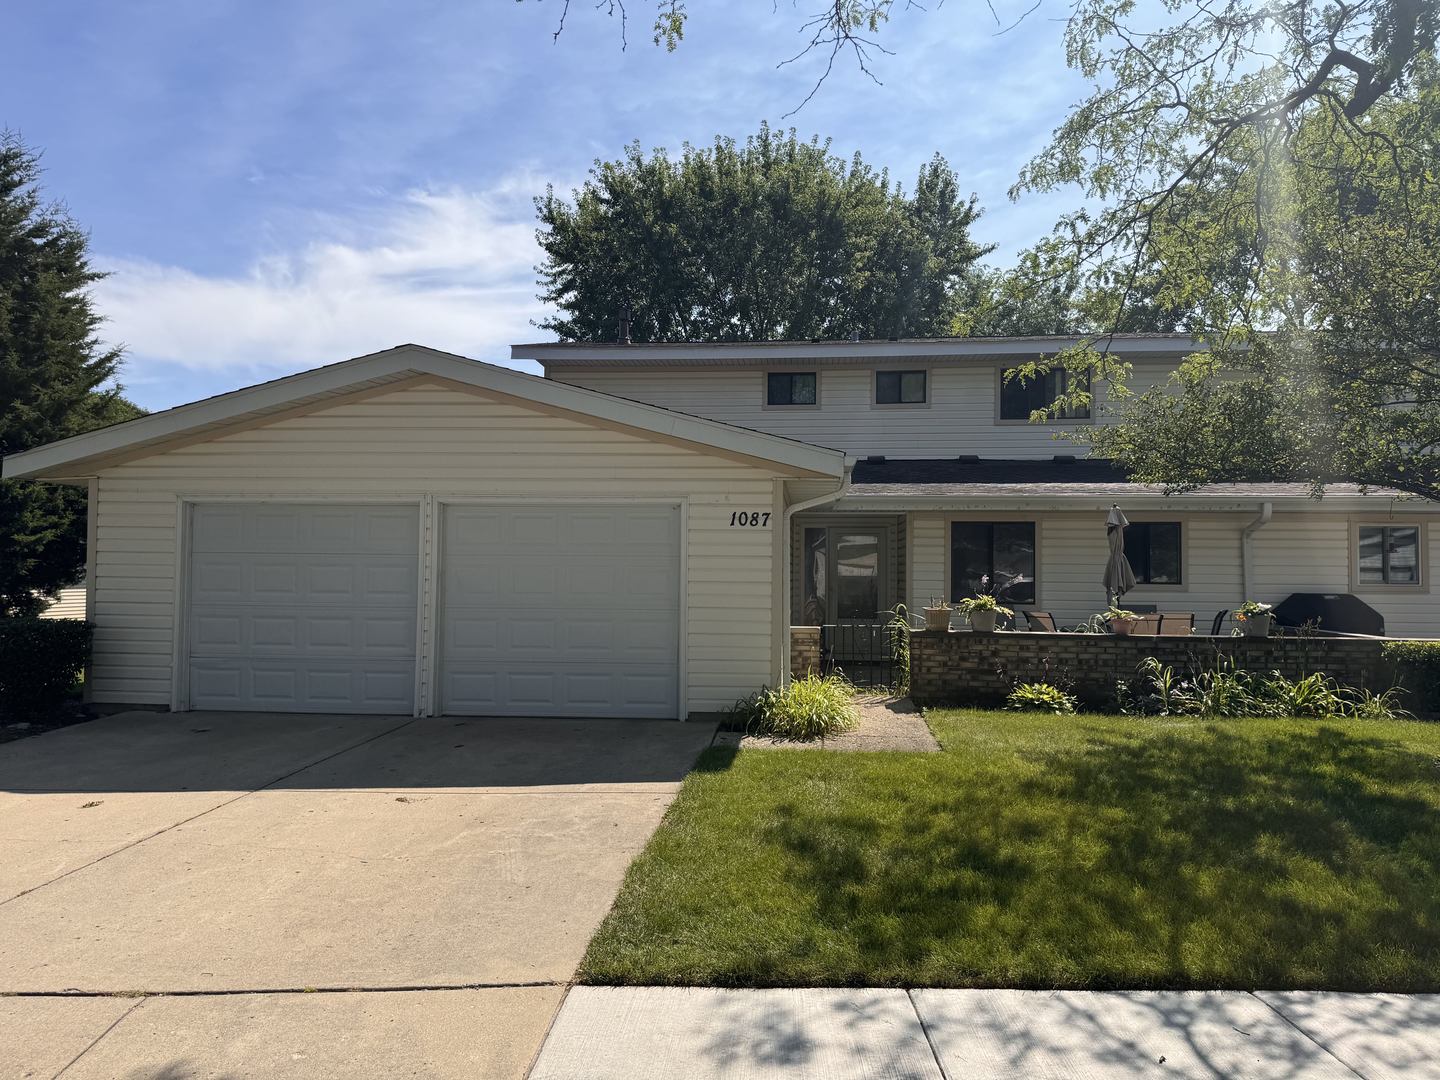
{"type": "Point", "coordinates": [804, 650]}
{"type": "Point", "coordinates": [950, 667]}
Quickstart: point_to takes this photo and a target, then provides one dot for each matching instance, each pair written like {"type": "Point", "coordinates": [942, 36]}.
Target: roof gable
{"type": "Point", "coordinates": [83, 455]}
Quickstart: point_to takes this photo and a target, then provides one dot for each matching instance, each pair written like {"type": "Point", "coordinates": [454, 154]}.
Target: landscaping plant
{"type": "Point", "coordinates": [898, 630]}
{"type": "Point", "coordinates": [40, 661]}
{"type": "Point", "coordinates": [808, 708]}
{"type": "Point", "coordinates": [1040, 697]}
{"type": "Point", "coordinates": [1226, 691]}
{"type": "Point", "coordinates": [1417, 666]}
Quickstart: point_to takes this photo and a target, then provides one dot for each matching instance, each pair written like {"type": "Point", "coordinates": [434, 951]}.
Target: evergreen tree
{"type": "Point", "coordinates": [56, 379]}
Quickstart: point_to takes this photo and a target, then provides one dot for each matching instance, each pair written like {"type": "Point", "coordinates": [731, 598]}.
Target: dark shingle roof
{"type": "Point", "coordinates": [1093, 477]}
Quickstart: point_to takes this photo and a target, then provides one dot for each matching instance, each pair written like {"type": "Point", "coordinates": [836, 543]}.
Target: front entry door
{"type": "Point", "coordinates": [845, 575]}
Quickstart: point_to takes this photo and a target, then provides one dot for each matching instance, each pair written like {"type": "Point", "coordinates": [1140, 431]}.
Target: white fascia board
{"type": "Point", "coordinates": [1189, 503]}
{"type": "Point", "coordinates": [565, 355]}
{"type": "Point", "coordinates": [51, 460]}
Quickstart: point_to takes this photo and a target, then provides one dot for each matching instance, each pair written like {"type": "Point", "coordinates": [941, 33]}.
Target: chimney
{"type": "Point", "coordinates": [623, 333]}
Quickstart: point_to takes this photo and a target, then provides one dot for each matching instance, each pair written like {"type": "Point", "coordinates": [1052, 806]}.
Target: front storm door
{"type": "Point", "coordinates": [845, 576]}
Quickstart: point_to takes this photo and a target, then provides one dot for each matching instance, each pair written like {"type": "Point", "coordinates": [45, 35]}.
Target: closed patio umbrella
{"type": "Point", "coordinates": [1119, 577]}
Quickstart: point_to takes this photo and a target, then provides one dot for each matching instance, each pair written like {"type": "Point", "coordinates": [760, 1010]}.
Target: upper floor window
{"type": "Point", "coordinates": [900, 388]}
{"type": "Point", "coordinates": [790, 388]}
{"type": "Point", "coordinates": [1389, 555]}
{"type": "Point", "coordinates": [1018, 400]}
{"type": "Point", "coordinates": [1153, 551]}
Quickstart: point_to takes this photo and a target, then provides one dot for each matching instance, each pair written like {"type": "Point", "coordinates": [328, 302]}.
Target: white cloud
{"type": "Point", "coordinates": [449, 268]}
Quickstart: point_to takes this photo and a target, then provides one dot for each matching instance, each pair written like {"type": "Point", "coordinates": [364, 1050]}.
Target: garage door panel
{"type": "Point", "coordinates": [305, 608]}
{"type": "Point", "coordinates": [249, 529]}
{"type": "Point", "coordinates": [270, 631]}
{"type": "Point", "coordinates": [302, 686]}
{"type": "Point", "coordinates": [542, 689]}
{"type": "Point", "coordinates": [560, 611]}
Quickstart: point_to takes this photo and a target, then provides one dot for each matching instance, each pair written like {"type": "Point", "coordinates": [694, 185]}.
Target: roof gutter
{"type": "Point", "coordinates": [785, 573]}
{"type": "Point", "coordinates": [1267, 511]}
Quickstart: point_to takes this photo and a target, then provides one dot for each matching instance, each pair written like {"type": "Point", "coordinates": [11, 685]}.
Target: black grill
{"type": "Point", "coordinates": [1338, 613]}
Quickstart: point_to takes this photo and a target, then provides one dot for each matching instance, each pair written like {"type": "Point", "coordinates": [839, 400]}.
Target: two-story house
{"type": "Point", "coordinates": [633, 535]}
{"type": "Point", "coordinates": [953, 485]}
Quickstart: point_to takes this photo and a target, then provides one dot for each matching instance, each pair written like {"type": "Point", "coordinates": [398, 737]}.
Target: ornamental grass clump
{"type": "Point", "coordinates": [808, 708]}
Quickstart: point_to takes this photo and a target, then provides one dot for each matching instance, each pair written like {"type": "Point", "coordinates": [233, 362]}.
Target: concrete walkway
{"type": "Point", "coordinates": [215, 895]}
{"type": "Point", "coordinates": [605, 1033]}
{"type": "Point", "coordinates": [885, 723]}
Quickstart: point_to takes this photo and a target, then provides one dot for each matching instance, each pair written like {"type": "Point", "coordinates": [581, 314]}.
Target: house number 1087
{"type": "Point", "coordinates": [754, 519]}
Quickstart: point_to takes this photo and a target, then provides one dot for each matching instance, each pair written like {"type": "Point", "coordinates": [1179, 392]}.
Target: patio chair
{"type": "Point", "coordinates": [1177, 623]}
{"type": "Point", "coordinates": [1147, 625]}
{"type": "Point", "coordinates": [1040, 621]}
{"type": "Point", "coordinates": [1218, 623]}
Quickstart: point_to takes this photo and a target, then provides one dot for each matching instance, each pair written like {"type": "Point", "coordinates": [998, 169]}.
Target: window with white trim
{"type": "Point", "coordinates": [790, 388]}
{"type": "Point", "coordinates": [900, 388]}
{"type": "Point", "coordinates": [1388, 555]}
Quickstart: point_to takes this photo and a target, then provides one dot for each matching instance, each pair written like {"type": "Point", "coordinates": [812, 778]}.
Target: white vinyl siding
{"type": "Point", "coordinates": [959, 416]}
{"type": "Point", "coordinates": [1296, 552]}
{"type": "Point", "coordinates": [69, 605]}
{"type": "Point", "coordinates": [440, 442]}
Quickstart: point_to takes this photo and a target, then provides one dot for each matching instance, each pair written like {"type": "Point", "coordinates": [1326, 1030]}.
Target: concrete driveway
{"type": "Point", "coordinates": [207, 895]}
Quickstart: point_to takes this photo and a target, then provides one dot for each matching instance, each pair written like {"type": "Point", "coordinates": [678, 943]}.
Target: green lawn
{"type": "Point", "coordinates": [1038, 851]}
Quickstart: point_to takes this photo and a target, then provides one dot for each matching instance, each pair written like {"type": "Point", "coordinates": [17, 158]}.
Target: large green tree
{"type": "Point", "coordinates": [54, 374]}
{"type": "Point", "coordinates": [775, 237]}
{"type": "Point", "coordinates": [1334, 372]}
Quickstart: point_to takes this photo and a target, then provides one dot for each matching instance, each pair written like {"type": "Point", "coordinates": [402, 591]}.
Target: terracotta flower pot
{"type": "Point", "coordinates": [983, 622]}
{"type": "Point", "coordinates": [938, 618]}
{"type": "Point", "coordinates": [1123, 627]}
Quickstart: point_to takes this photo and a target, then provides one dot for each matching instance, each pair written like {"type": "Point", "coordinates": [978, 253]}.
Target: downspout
{"type": "Point", "coordinates": [1267, 511]}
{"type": "Point", "coordinates": [790, 512]}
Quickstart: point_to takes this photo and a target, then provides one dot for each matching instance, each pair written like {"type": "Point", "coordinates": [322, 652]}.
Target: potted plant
{"type": "Point", "coordinates": [937, 615]}
{"type": "Point", "coordinates": [1120, 621]}
{"type": "Point", "coordinates": [1255, 617]}
{"type": "Point", "coordinates": [983, 611]}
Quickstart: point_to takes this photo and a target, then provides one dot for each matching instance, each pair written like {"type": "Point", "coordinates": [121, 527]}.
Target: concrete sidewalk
{"type": "Point", "coordinates": [617, 1033]}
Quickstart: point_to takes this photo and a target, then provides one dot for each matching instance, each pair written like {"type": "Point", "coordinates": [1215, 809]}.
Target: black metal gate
{"type": "Point", "coordinates": [862, 652]}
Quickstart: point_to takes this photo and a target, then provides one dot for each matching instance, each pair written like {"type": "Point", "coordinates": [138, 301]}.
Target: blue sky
{"type": "Point", "coordinates": [279, 185]}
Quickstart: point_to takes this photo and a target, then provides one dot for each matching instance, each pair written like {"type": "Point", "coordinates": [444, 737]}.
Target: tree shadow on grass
{"type": "Point", "coordinates": [1296, 856]}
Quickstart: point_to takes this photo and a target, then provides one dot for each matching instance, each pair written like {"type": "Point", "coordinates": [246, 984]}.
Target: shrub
{"type": "Point", "coordinates": [1417, 665]}
{"type": "Point", "coordinates": [1226, 691]}
{"type": "Point", "coordinates": [807, 708]}
{"type": "Point", "coordinates": [1040, 697]}
{"type": "Point", "coordinates": [40, 659]}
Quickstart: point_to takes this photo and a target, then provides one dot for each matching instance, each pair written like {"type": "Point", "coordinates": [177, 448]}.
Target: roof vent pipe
{"type": "Point", "coordinates": [622, 333]}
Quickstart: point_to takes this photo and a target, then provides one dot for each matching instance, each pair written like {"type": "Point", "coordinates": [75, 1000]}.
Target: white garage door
{"type": "Point", "coordinates": [303, 608]}
{"type": "Point", "coordinates": [560, 611]}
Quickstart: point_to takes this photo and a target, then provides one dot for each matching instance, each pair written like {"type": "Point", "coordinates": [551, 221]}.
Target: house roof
{"type": "Point", "coordinates": [83, 455]}
{"type": "Point", "coordinates": [569, 354]}
{"type": "Point", "coordinates": [922, 482]}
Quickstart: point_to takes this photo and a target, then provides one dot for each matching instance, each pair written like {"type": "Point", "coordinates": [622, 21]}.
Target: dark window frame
{"type": "Point", "coordinates": [788, 380]}
{"type": "Point", "coordinates": [1385, 573]}
{"type": "Point", "coordinates": [1141, 554]}
{"type": "Point", "coordinates": [1038, 393]}
{"type": "Point", "coordinates": [897, 377]}
{"type": "Point", "coordinates": [1029, 595]}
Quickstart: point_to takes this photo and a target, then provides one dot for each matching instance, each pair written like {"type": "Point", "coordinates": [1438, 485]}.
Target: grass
{"type": "Point", "coordinates": [1050, 851]}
